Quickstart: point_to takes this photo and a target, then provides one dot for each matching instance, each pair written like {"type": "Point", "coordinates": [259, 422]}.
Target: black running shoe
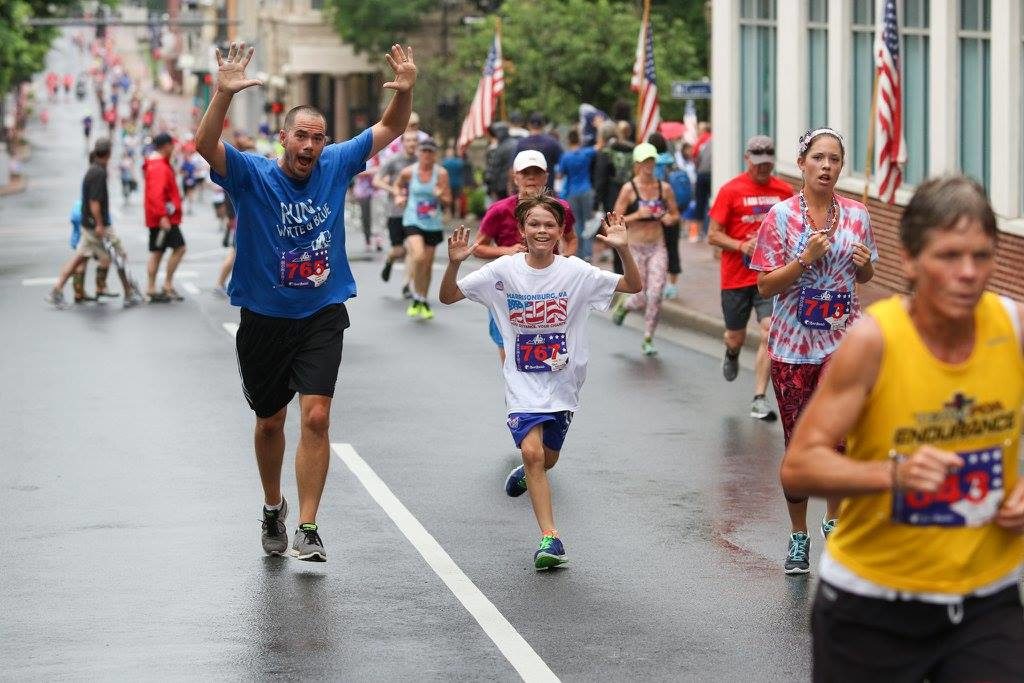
{"type": "Point", "coordinates": [385, 274]}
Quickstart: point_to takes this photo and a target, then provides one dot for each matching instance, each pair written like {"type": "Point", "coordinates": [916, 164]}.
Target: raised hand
{"type": "Point", "coordinates": [459, 248]}
{"type": "Point", "coordinates": [231, 69]}
{"type": "Point", "coordinates": [614, 231]}
{"type": "Point", "coordinates": [400, 61]}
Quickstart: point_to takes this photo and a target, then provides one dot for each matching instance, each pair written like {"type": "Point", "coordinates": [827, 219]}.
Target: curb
{"type": "Point", "coordinates": [678, 315]}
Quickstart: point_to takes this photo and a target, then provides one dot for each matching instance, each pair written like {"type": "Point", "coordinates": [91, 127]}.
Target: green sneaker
{"type": "Point", "coordinates": [550, 554]}
{"type": "Point", "coordinates": [414, 309]}
{"type": "Point", "coordinates": [648, 348]}
{"type": "Point", "coordinates": [619, 311]}
{"type": "Point", "coordinates": [425, 312]}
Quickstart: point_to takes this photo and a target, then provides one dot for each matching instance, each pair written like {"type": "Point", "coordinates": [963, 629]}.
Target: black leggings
{"type": "Point", "coordinates": [672, 245]}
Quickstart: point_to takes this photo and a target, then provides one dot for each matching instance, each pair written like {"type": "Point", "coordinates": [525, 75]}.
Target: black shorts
{"type": "Point", "coordinates": [396, 231]}
{"type": "Point", "coordinates": [868, 639]}
{"type": "Point", "coordinates": [278, 357]}
{"type": "Point", "coordinates": [173, 240]}
{"type": "Point", "coordinates": [737, 304]}
{"type": "Point", "coordinates": [431, 238]}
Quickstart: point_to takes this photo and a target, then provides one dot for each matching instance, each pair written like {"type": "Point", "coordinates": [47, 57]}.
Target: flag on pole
{"type": "Point", "coordinates": [890, 147]}
{"type": "Point", "coordinates": [481, 111]}
{"type": "Point", "coordinates": [643, 81]}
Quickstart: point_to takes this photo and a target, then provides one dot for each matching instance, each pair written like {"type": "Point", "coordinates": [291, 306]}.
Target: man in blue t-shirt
{"type": "Point", "coordinates": [291, 278]}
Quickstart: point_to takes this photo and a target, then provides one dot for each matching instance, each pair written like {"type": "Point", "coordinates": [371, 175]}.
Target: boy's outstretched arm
{"type": "Point", "coordinates": [459, 249]}
{"type": "Point", "coordinates": [615, 229]}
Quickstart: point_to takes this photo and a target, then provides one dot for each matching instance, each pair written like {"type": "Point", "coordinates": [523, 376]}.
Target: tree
{"type": "Point", "coordinates": [373, 26]}
{"type": "Point", "coordinates": [560, 53]}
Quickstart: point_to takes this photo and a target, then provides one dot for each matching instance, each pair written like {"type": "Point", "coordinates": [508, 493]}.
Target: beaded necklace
{"type": "Point", "coordinates": [831, 218]}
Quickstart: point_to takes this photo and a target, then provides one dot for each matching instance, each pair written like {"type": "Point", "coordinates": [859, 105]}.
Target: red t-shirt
{"type": "Point", "coordinates": [739, 208]}
{"type": "Point", "coordinates": [499, 223]}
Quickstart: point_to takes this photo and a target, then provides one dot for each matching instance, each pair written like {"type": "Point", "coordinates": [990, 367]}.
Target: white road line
{"type": "Point", "coordinates": [231, 328]}
{"type": "Point", "coordinates": [191, 288]}
{"type": "Point", "coordinates": [517, 651]}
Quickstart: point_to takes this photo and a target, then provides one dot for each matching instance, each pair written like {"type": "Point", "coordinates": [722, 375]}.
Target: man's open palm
{"type": "Point", "coordinates": [400, 60]}
{"type": "Point", "coordinates": [231, 69]}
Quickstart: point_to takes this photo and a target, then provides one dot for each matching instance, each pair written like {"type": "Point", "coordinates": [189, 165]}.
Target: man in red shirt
{"type": "Point", "coordinates": [736, 216]}
{"type": "Point", "coordinates": [499, 233]}
{"type": "Point", "coordinates": [163, 218]}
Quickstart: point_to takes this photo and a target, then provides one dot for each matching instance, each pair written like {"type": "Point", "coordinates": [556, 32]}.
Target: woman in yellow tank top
{"type": "Point", "coordinates": [920, 581]}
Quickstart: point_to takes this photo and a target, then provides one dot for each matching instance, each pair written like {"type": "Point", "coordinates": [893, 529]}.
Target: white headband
{"type": "Point", "coordinates": [805, 141]}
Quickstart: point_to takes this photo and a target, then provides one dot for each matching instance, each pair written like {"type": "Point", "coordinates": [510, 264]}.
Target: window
{"type": "Point", "coordinates": [817, 64]}
{"type": "Point", "coordinates": [975, 88]}
{"type": "Point", "coordinates": [863, 80]}
{"type": "Point", "coordinates": [757, 73]}
{"type": "Point", "coordinates": [915, 89]}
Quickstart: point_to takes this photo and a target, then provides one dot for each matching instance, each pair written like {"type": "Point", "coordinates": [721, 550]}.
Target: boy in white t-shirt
{"type": "Point", "coordinates": [541, 302]}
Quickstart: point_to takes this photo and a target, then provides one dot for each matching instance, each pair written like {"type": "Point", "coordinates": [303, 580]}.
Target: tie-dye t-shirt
{"type": "Point", "coordinates": [819, 296]}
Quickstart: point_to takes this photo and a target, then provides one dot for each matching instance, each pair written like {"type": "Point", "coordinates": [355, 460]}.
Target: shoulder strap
{"type": "Point", "coordinates": [636, 190]}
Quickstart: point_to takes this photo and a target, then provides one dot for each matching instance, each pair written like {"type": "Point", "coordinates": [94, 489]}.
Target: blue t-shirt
{"type": "Point", "coordinates": [291, 260]}
{"type": "Point", "coordinates": [456, 168]}
{"type": "Point", "coordinates": [575, 166]}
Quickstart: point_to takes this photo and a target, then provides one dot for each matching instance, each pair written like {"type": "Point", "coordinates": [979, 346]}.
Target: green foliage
{"type": "Point", "coordinates": [374, 26]}
{"type": "Point", "coordinates": [23, 48]}
{"type": "Point", "coordinates": [559, 53]}
{"type": "Point", "coordinates": [476, 201]}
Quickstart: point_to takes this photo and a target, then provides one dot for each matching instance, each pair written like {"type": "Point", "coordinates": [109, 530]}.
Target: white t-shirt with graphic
{"type": "Point", "coordinates": [542, 315]}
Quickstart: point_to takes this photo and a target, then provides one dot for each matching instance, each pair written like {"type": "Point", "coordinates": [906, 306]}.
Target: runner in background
{"type": "Point", "coordinates": [812, 250]}
{"type": "Point", "coordinates": [740, 206]}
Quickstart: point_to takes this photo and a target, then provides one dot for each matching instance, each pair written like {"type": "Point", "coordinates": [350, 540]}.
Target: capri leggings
{"type": "Point", "coordinates": [652, 260]}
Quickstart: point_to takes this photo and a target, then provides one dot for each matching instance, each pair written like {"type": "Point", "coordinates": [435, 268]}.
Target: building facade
{"type": "Point", "coordinates": [781, 67]}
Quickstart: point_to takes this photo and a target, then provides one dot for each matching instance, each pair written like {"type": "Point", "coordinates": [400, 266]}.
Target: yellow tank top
{"type": "Point", "coordinates": [942, 543]}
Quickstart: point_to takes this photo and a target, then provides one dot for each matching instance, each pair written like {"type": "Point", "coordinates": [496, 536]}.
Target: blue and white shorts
{"type": "Point", "coordinates": [556, 426]}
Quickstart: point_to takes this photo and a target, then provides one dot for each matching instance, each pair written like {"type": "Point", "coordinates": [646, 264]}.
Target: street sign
{"type": "Point", "coordinates": [691, 90]}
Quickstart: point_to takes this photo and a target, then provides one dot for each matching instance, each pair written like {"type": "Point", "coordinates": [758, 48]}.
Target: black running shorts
{"type": "Point", "coordinates": [396, 231]}
{"type": "Point", "coordinates": [278, 357]}
{"type": "Point", "coordinates": [431, 238]}
{"type": "Point", "coordinates": [737, 304]}
{"type": "Point", "coordinates": [868, 639]}
{"type": "Point", "coordinates": [172, 240]}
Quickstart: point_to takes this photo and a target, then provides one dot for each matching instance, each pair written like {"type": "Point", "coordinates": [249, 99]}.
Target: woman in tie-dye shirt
{"type": "Point", "coordinates": [812, 250]}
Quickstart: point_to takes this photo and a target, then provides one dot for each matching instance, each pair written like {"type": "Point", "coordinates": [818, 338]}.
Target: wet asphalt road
{"type": "Point", "coordinates": [132, 499]}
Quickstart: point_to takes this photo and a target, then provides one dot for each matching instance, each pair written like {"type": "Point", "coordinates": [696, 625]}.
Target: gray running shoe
{"type": "Point", "coordinates": [731, 365]}
{"type": "Point", "coordinates": [798, 559]}
{"type": "Point", "coordinates": [760, 409]}
{"type": "Point", "coordinates": [827, 526]}
{"type": "Point", "coordinates": [132, 299]}
{"type": "Point", "coordinates": [306, 545]}
{"type": "Point", "coordinates": [275, 533]}
{"type": "Point", "coordinates": [55, 298]}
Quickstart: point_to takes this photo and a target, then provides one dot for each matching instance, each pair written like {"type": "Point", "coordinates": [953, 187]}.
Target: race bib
{"type": "Point", "coordinates": [969, 497]}
{"type": "Point", "coordinates": [541, 352]}
{"type": "Point", "coordinates": [655, 206]}
{"type": "Point", "coordinates": [824, 309]}
{"type": "Point", "coordinates": [426, 208]}
{"type": "Point", "coordinates": [305, 267]}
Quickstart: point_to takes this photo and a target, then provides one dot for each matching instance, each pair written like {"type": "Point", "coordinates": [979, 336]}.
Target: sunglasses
{"type": "Point", "coordinates": [761, 150]}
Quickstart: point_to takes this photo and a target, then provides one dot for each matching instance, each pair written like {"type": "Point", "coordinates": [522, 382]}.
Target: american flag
{"type": "Point", "coordinates": [544, 313]}
{"type": "Point", "coordinates": [890, 147]}
{"type": "Point", "coordinates": [643, 82]}
{"type": "Point", "coordinates": [481, 111]}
